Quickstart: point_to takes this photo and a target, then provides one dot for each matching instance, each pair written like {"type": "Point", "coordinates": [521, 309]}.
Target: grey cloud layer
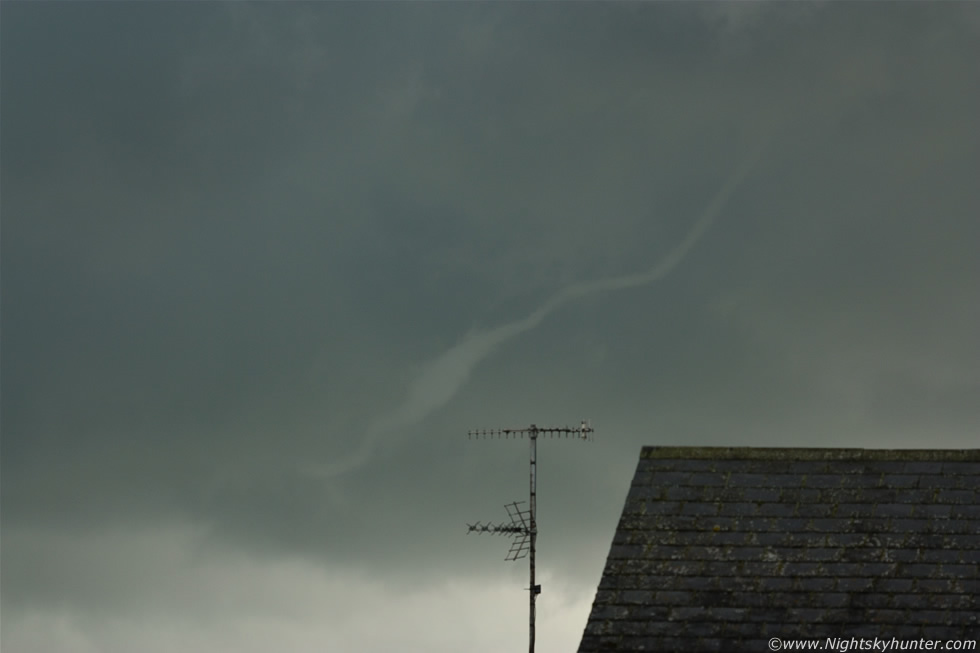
{"type": "Point", "coordinates": [234, 236]}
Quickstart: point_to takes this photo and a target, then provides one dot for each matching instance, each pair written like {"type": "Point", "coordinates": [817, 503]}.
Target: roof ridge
{"type": "Point", "coordinates": [807, 453]}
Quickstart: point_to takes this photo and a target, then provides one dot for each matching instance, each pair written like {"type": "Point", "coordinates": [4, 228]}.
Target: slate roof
{"type": "Point", "coordinates": [722, 548]}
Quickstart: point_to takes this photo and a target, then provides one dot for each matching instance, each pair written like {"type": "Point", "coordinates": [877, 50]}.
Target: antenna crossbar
{"type": "Point", "coordinates": [583, 431]}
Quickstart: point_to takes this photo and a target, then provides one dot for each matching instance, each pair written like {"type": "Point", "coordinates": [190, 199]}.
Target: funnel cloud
{"type": "Point", "coordinates": [441, 378]}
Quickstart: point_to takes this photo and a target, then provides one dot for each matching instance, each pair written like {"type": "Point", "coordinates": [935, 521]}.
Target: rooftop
{"type": "Point", "coordinates": [722, 548]}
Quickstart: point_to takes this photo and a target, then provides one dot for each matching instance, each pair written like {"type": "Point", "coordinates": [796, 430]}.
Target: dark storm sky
{"type": "Point", "coordinates": [264, 265]}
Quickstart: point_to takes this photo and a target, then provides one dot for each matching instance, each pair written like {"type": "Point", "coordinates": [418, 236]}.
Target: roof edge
{"type": "Point", "coordinates": [803, 453]}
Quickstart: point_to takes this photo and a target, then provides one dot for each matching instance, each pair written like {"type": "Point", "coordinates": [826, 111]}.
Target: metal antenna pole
{"type": "Point", "coordinates": [525, 522]}
{"type": "Point", "coordinates": [535, 589]}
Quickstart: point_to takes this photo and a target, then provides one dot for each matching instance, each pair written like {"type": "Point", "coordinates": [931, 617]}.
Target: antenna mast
{"type": "Point", "coordinates": [524, 522]}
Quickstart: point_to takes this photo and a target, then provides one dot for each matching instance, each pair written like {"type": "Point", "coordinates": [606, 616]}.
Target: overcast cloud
{"type": "Point", "coordinates": [265, 264]}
